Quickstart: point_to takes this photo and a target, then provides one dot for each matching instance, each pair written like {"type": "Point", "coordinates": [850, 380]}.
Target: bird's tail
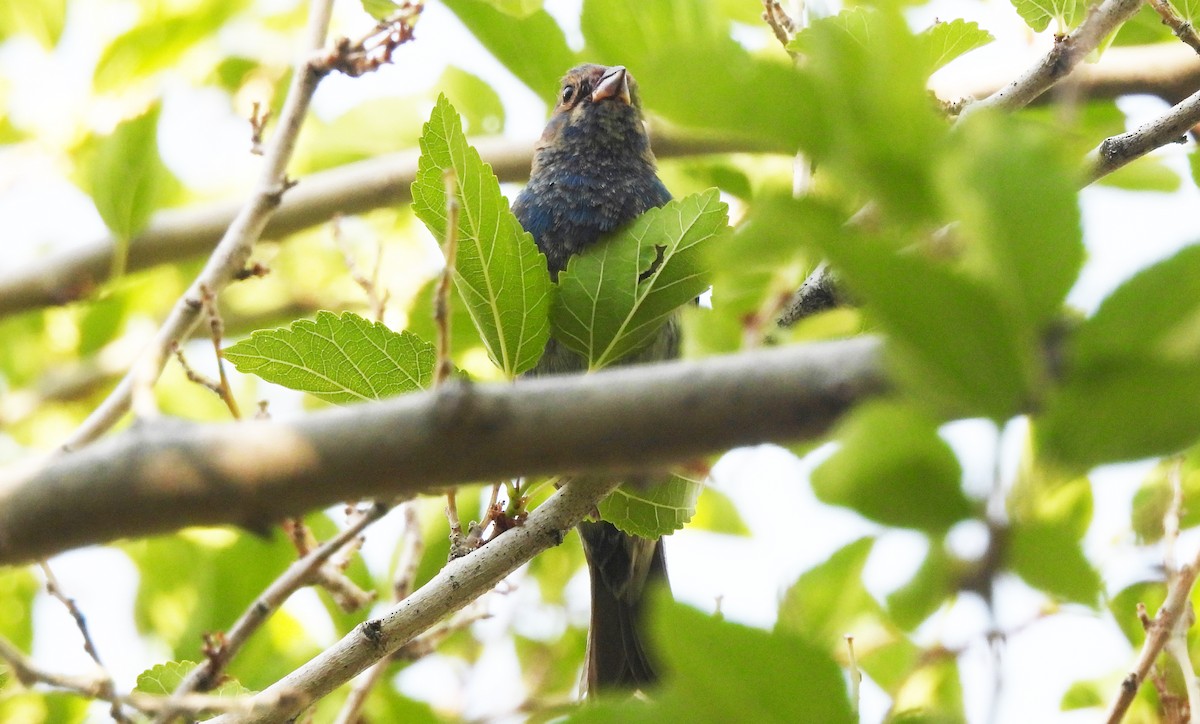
{"type": "Point", "coordinates": [622, 567]}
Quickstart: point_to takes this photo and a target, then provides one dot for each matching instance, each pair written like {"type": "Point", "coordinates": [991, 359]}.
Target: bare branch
{"type": "Point", "coordinates": [161, 477]}
{"type": "Point", "coordinates": [1062, 58]}
{"type": "Point", "coordinates": [1171, 127]}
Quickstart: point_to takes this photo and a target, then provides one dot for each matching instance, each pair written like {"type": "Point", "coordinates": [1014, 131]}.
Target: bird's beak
{"type": "Point", "coordinates": [614, 84]}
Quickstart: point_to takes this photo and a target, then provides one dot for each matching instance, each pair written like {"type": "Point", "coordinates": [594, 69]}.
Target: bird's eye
{"type": "Point", "coordinates": [568, 92]}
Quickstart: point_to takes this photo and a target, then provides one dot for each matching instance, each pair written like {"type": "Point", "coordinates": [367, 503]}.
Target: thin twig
{"type": "Point", "coordinates": [107, 688]}
{"type": "Point", "coordinates": [412, 548]}
{"type": "Point", "coordinates": [216, 332]}
{"type": "Point", "coordinates": [441, 318]}
{"type": "Point", "coordinates": [259, 115]}
{"type": "Point", "coordinates": [780, 22]}
{"type": "Point", "coordinates": [1156, 638]}
{"type": "Point", "coordinates": [1183, 30]}
{"type": "Point", "coordinates": [376, 300]}
{"type": "Point", "coordinates": [855, 674]}
{"type": "Point", "coordinates": [207, 673]}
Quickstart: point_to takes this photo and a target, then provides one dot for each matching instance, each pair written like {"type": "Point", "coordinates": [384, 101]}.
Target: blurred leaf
{"type": "Point", "coordinates": [853, 135]}
{"type": "Point", "coordinates": [380, 9]}
{"type": "Point", "coordinates": [18, 586]}
{"type": "Point", "coordinates": [615, 296]}
{"type": "Point", "coordinates": [1037, 14]}
{"type": "Point", "coordinates": [479, 104]}
{"type": "Point", "coordinates": [41, 19]}
{"type": "Point", "coordinates": [374, 126]}
{"type": "Point", "coordinates": [127, 179]}
{"type": "Point", "coordinates": [716, 513]}
{"type": "Point", "coordinates": [894, 469]}
{"type": "Point", "coordinates": [932, 694]}
{"type": "Point", "coordinates": [1123, 607]}
{"type": "Point", "coordinates": [1147, 173]}
{"type": "Point", "coordinates": [100, 323]}
{"type": "Point", "coordinates": [1144, 28]}
{"type": "Point", "coordinates": [1048, 556]}
{"type": "Point", "coordinates": [519, 8]}
{"type": "Point", "coordinates": [954, 341]}
{"type": "Point", "coordinates": [1153, 498]}
{"type": "Point", "coordinates": [757, 676]}
{"type": "Point", "coordinates": [201, 580]}
{"type": "Point", "coordinates": [1194, 164]}
{"type": "Point", "coordinates": [673, 48]}
{"type": "Point", "coordinates": [933, 583]}
{"type": "Point", "coordinates": [827, 600]}
{"type": "Point", "coordinates": [163, 679]}
{"type": "Point", "coordinates": [233, 71]}
{"type": "Point", "coordinates": [159, 42]}
{"type": "Point", "coordinates": [1025, 239]}
{"type": "Point", "coordinates": [44, 707]}
{"type": "Point", "coordinates": [1085, 695]}
{"type": "Point", "coordinates": [532, 47]}
{"type": "Point", "coordinates": [1154, 314]}
{"type": "Point", "coordinates": [1133, 383]}
{"type": "Point", "coordinates": [499, 272]}
{"type": "Point", "coordinates": [654, 510]}
{"type": "Point", "coordinates": [943, 42]}
{"type": "Point", "coordinates": [339, 359]}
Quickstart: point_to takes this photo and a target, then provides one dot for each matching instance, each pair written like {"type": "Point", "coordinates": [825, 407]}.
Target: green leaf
{"type": "Point", "coordinates": [533, 47]}
{"type": "Point", "coordinates": [499, 272]}
{"type": "Point", "coordinates": [1025, 239]}
{"type": "Point", "coordinates": [380, 9]}
{"type": "Point", "coordinates": [826, 601]}
{"type": "Point", "coordinates": [942, 42]}
{"type": "Point", "coordinates": [1147, 173]}
{"type": "Point", "coordinates": [1153, 498]}
{"type": "Point", "coordinates": [159, 42]}
{"type": "Point", "coordinates": [894, 469]}
{"type": "Point", "coordinates": [339, 359]}
{"type": "Point", "coordinates": [1156, 313]}
{"type": "Point", "coordinates": [652, 511]}
{"type": "Point", "coordinates": [1133, 382]}
{"type": "Point", "coordinates": [953, 340]}
{"type": "Point", "coordinates": [163, 679]}
{"type": "Point", "coordinates": [933, 583]}
{"type": "Point", "coordinates": [853, 135]}
{"type": "Point", "coordinates": [716, 513]}
{"type": "Point", "coordinates": [1037, 14]}
{"type": "Point", "coordinates": [1085, 695]}
{"type": "Point", "coordinates": [519, 8]}
{"type": "Point", "coordinates": [1121, 411]}
{"type": "Point", "coordinates": [127, 179]}
{"type": "Point", "coordinates": [1049, 557]}
{"type": "Point", "coordinates": [672, 46]}
{"type": "Point", "coordinates": [615, 296]}
{"type": "Point", "coordinates": [757, 676]}
{"type": "Point", "coordinates": [932, 694]}
{"type": "Point", "coordinates": [1123, 606]}
{"type": "Point", "coordinates": [41, 19]}
{"type": "Point", "coordinates": [18, 586]}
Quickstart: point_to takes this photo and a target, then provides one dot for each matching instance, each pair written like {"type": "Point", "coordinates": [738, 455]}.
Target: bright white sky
{"type": "Point", "coordinates": [42, 210]}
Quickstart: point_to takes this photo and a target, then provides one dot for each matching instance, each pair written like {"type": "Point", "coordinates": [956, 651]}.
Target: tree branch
{"type": "Point", "coordinates": [1156, 638]}
{"type": "Point", "coordinates": [1062, 58]}
{"type": "Point", "coordinates": [1171, 127]}
{"type": "Point", "coordinates": [163, 476]}
{"type": "Point", "coordinates": [460, 582]}
{"type": "Point", "coordinates": [354, 188]}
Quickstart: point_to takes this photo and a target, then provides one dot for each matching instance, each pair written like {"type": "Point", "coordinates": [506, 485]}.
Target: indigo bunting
{"type": "Point", "coordinates": [593, 172]}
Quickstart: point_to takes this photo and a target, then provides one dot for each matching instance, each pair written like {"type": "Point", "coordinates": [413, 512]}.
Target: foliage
{"type": "Point", "coordinates": [963, 264]}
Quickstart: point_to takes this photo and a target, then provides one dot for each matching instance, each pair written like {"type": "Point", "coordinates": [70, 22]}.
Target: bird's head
{"type": "Point", "coordinates": [598, 108]}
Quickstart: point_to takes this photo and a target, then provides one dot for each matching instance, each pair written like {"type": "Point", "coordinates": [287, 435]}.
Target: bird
{"type": "Point", "coordinates": [593, 173]}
